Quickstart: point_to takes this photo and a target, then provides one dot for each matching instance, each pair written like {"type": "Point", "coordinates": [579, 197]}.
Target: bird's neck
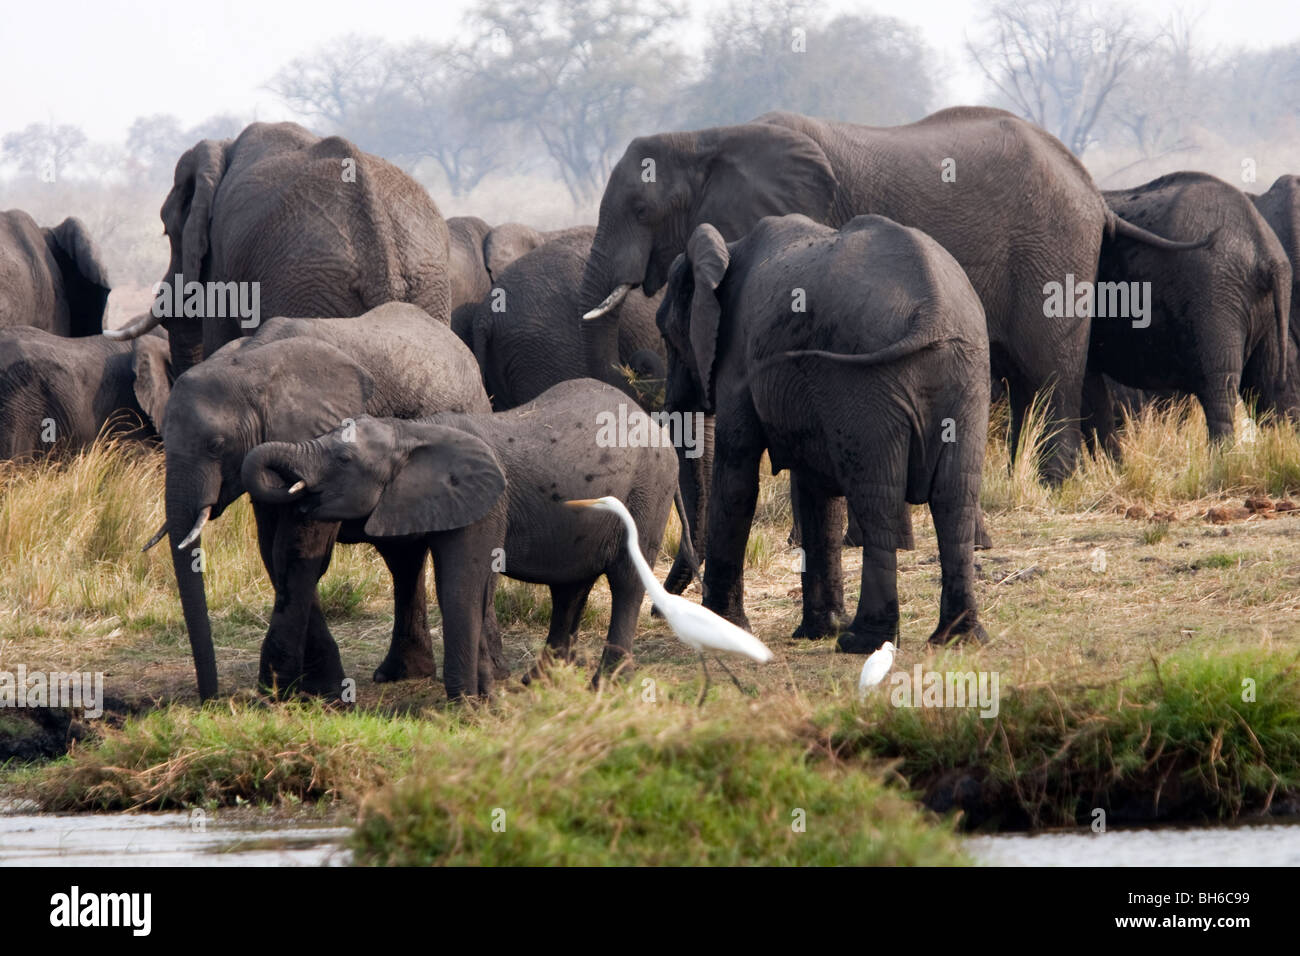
{"type": "Point", "coordinates": [643, 569]}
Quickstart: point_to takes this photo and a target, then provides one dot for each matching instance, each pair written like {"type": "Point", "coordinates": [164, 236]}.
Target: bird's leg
{"type": "Point", "coordinates": [751, 692]}
{"type": "Point", "coordinates": [704, 691]}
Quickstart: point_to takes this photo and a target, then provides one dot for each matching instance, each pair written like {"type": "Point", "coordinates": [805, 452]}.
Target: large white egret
{"type": "Point", "coordinates": [880, 663]}
{"type": "Point", "coordinates": [695, 626]}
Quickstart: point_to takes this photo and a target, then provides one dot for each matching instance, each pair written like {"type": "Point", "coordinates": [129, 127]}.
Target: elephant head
{"type": "Point", "coordinates": [246, 394]}
{"type": "Point", "coordinates": [665, 186]}
{"type": "Point", "coordinates": [413, 480]}
{"type": "Point", "coordinates": [85, 280]}
{"type": "Point", "coordinates": [690, 319]}
{"type": "Point", "coordinates": [187, 217]}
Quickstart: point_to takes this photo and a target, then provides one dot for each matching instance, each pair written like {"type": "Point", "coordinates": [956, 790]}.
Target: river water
{"type": "Point", "coordinates": [179, 839]}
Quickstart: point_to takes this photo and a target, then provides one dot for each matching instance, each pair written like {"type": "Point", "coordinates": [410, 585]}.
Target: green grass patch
{"type": "Point", "coordinates": [1181, 741]}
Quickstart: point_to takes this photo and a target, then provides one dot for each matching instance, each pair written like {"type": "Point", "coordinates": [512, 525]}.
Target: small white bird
{"type": "Point", "coordinates": [877, 666]}
{"type": "Point", "coordinates": [695, 626]}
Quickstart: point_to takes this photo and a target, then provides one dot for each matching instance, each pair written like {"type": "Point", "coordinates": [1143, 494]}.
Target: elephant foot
{"type": "Point", "coordinates": [965, 627]}
{"type": "Point", "coordinates": [397, 667]}
{"type": "Point", "coordinates": [866, 638]}
{"type": "Point", "coordinates": [615, 664]}
{"type": "Point", "coordinates": [816, 627]}
{"type": "Point", "coordinates": [736, 615]}
{"type": "Point", "coordinates": [679, 577]}
{"type": "Point", "coordinates": [545, 661]}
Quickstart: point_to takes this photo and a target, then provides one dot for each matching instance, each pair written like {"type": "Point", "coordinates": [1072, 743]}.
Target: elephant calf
{"type": "Point", "coordinates": [57, 395]}
{"type": "Point", "coordinates": [858, 358]}
{"type": "Point", "coordinates": [486, 493]}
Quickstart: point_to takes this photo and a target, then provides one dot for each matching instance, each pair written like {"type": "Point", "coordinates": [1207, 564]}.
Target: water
{"type": "Point", "coordinates": [162, 839]}
{"type": "Point", "coordinates": [1271, 844]}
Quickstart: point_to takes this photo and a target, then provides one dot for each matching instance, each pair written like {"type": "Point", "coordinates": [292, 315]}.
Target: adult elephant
{"type": "Point", "coordinates": [57, 395]}
{"type": "Point", "coordinates": [1003, 196]}
{"type": "Point", "coordinates": [293, 380]}
{"type": "Point", "coordinates": [322, 228]}
{"type": "Point", "coordinates": [1212, 323]}
{"type": "Point", "coordinates": [1280, 207]}
{"type": "Point", "coordinates": [51, 278]}
{"type": "Point", "coordinates": [526, 341]}
{"type": "Point", "coordinates": [878, 392]}
{"type": "Point", "coordinates": [479, 253]}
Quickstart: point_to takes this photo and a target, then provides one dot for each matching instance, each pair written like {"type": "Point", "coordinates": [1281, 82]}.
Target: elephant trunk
{"type": "Point", "coordinates": [276, 473]}
{"type": "Point", "coordinates": [605, 283]}
{"type": "Point", "coordinates": [190, 498]}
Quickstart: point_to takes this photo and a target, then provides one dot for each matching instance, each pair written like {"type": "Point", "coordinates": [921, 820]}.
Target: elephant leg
{"type": "Point", "coordinates": [1063, 390]}
{"type": "Point", "coordinates": [982, 540]}
{"type": "Point", "coordinates": [300, 557]}
{"type": "Point", "coordinates": [626, 592]}
{"type": "Point", "coordinates": [465, 584]}
{"type": "Point", "coordinates": [1218, 397]}
{"type": "Point", "coordinates": [795, 537]}
{"type": "Point", "coordinates": [410, 653]}
{"type": "Point", "coordinates": [492, 638]}
{"type": "Point", "coordinates": [821, 516]}
{"type": "Point", "coordinates": [567, 604]}
{"type": "Point", "coordinates": [1100, 414]}
{"type": "Point", "coordinates": [731, 513]}
{"type": "Point", "coordinates": [954, 505]}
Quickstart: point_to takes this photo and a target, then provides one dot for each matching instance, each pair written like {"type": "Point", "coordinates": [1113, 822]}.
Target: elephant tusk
{"type": "Point", "coordinates": [156, 538]}
{"type": "Point", "coordinates": [134, 329]}
{"type": "Point", "coordinates": [196, 530]}
{"type": "Point", "coordinates": [297, 487]}
{"type": "Point", "coordinates": [611, 301]}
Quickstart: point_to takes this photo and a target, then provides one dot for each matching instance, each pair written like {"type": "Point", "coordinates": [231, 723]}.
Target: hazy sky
{"type": "Point", "coordinates": [100, 64]}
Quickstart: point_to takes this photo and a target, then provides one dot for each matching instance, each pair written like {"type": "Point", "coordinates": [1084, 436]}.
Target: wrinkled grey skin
{"type": "Point", "coordinates": [294, 379]}
{"type": "Point", "coordinates": [1280, 207]}
{"type": "Point", "coordinates": [1021, 212]}
{"type": "Point", "coordinates": [50, 278]}
{"type": "Point", "coordinates": [440, 482]}
{"type": "Point", "coordinates": [74, 389]}
{"type": "Point", "coordinates": [525, 338]}
{"type": "Point", "coordinates": [855, 396]}
{"type": "Point", "coordinates": [276, 206]}
{"type": "Point", "coordinates": [1219, 316]}
{"type": "Point", "coordinates": [478, 253]}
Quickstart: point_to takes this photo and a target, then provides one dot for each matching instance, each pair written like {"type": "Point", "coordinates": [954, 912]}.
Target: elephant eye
{"type": "Point", "coordinates": [642, 211]}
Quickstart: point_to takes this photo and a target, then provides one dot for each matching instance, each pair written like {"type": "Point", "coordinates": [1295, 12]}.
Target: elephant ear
{"type": "Point", "coordinates": [449, 480]}
{"type": "Point", "coordinates": [151, 361]}
{"type": "Point", "coordinates": [708, 257]}
{"type": "Point", "coordinates": [506, 243]}
{"type": "Point", "coordinates": [187, 210]}
{"type": "Point", "coordinates": [308, 387]}
{"type": "Point", "coordinates": [760, 169]}
{"type": "Point", "coordinates": [85, 279]}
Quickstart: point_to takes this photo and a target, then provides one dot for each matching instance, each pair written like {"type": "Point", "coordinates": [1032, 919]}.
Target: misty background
{"type": "Point", "coordinates": [517, 109]}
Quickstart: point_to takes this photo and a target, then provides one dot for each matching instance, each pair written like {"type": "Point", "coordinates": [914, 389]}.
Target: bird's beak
{"type": "Point", "coordinates": [580, 503]}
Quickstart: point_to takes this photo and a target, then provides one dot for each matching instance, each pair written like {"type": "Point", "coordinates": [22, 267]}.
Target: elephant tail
{"type": "Point", "coordinates": [686, 548]}
{"type": "Point", "coordinates": [1115, 226]}
{"type": "Point", "coordinates": [1282, 282]}
{"type": "Point", "coordinates": [918, 341]}
{"type": "Point", "coordinates": [481, 342]}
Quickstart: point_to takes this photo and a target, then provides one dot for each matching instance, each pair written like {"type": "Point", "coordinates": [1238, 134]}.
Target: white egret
{"type": "Point", "coordinates": [695, 626]}
{"type": "Point", "coordinates": [877, 666]}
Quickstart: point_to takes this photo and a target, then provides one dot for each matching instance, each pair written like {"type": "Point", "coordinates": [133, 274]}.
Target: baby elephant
{"type": "Point", "coordinates": [857, 358]}
{"type": "Point", "coordinates": [487, 493]}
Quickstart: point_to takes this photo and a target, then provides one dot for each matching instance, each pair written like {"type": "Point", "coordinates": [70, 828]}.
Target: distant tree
{"type": "Point", "coordinates": [43, 149]}
{"type": "Point", "coordinates": [1058, 62]}
{"type": "Point", "coordinates": [333, 84]}
{"type": "Point", "coordinates": [581, 76]}
{"type": "Point", "coordinates": [154, 143]}
{"type": "Point", "coordinates": [766, 55]}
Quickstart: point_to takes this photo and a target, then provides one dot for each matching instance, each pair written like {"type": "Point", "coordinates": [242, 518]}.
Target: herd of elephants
{"type": "Point", "coordinates": [841, 297]}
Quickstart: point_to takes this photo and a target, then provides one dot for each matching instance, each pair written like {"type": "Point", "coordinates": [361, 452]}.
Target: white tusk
{"type": "Point", "coordinates": [611, 301]}
{"type": "Point", "coordinates": [196, 530]}
{"type": "Point", "coordinates": [297, 486]}
{"type": "Point", "coordinates": [134, 329]}
{"type": "Point", "coordinates": [156, 538]}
